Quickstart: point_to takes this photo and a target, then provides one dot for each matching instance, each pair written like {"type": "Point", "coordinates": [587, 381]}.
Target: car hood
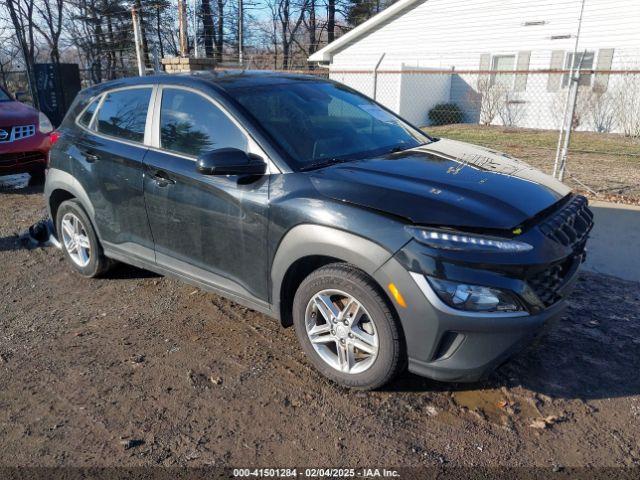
{"type": "Point", "coordinates": [16, 113]}
{"type": "Point", "coordinates": [444, 183]}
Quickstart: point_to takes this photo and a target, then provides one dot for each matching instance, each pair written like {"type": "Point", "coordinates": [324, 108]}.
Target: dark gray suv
{"type": "Point", "coordinates": [303, 199]}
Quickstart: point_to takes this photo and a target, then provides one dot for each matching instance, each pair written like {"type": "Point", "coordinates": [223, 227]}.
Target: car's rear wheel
{"type": "Point", "coordinates": [79, 240]}
{"type": "Point", "coordinates": [347, 328]}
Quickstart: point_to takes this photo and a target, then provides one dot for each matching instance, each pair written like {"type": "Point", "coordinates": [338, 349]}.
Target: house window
{"type": "Point", "coordinates": [587, 64]}
{"type": "Point", "coordinates": [502, 63]}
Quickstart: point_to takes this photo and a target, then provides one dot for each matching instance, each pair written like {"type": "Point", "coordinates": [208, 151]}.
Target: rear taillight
{"type": "Point", "coordinates": [53, 138]}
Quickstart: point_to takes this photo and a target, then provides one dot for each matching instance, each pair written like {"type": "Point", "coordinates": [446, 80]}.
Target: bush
{"type": "Point", "coordinates": [445, 114]}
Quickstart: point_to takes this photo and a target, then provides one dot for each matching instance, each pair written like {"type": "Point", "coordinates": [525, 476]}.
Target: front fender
{"type": "Point", "coordinates": [316, 240]}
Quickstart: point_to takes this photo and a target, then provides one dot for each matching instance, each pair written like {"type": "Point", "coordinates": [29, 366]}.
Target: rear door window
{"type": "Point", "coordinates": [191, 125]}
{"type": "Point", "coordinates": [123, 114]}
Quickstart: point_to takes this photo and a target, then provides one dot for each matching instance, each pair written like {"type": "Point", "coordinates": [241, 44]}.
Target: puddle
{"type": "Point", "coordinates": [495, 406]}
{"type": "Point", "coordinates": [14, 182]}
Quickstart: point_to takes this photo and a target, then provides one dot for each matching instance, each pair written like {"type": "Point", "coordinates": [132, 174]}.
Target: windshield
{"type": "Point", "coordinates": [4, 97]}
{"type": "Point", "coordinates": [318, 123]}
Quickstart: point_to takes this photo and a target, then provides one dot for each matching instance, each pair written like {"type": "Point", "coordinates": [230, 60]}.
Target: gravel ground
{"type": "Point", "coordinates": [140, 370]}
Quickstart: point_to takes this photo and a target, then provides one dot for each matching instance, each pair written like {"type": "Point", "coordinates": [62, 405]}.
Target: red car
{"type": "Point", "coordinates": [25, 138]}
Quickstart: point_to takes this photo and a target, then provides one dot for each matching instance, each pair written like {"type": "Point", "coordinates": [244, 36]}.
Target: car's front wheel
{"type": "Point", "coordinates": [79, 240]}
{"type": "Point", "coordinates": [346, 327]}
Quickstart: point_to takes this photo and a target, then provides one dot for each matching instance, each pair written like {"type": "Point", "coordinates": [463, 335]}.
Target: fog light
{"type": "Point", "coordinates": [474, 297]}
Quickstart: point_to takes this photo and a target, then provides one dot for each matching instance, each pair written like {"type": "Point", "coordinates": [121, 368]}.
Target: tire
{"type": "Point", "coordinates": [368, 370]}
{"type": "Point", "coordinates": [93, 263]}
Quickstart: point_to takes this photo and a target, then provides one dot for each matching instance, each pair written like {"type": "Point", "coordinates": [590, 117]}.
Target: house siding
{"type": "Point", "coordinates": [460, 35]}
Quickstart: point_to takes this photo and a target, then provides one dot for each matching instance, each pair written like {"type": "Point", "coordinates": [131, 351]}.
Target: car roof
{"type": "Point", "coordinates": [226, 80]}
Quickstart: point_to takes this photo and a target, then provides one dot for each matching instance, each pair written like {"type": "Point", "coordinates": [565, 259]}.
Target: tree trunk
{"type": "Point", "coordinates": [285, 54]}
{"type": "Point", "coordinates": [143, 33]}
{"type": "Point", "coordinates": [159, 34]}
{"type": "Point", "coordinates": [111, 54]}
{"type": "Point", "coordinates": [207, 22]}
{"type": "Point", "coordinates": [313, 41]}
{"type": "Point", "coordinates": [96, 65]}
{"type": "Point", "coordinates": [331, 20]}
{"type": "Point", "coordinates": [219, 38]}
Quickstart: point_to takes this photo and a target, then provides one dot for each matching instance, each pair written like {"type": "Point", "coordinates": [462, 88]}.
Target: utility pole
{"type": "Point", "coordinates": [137, 38]}
{"type": "Point", "coordinates": [195, 30]}
{"type": "Point", "coordinates": [240, 30]}
{"type": "Point", "coordinates": [182, 25]}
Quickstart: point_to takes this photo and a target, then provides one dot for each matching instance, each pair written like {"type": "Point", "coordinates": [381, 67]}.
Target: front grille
{"type": "Point", "coordinates": [13, 159]}
{"type": "Point", "coordinates": [548, 283]}
{"type": "Point", "coordinates": [19, 132]}
{"type": "Point", "coordinates": [571, 225]}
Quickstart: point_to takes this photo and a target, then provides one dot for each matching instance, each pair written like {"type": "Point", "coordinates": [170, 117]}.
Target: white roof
{"type": "Point", "coordinates": [324, 54]}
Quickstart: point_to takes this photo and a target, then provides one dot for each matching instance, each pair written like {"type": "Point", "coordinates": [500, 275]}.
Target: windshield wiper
{"type": "Point", "coordinates": [323, 163]}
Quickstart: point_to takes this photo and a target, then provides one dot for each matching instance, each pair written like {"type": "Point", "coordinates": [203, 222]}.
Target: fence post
{"type": "Point", "coordinates": [561, 153]}
{"type": "Point", "coordinates": [575, 85]}
{"type": "Point", "coordinates": [375, 76]}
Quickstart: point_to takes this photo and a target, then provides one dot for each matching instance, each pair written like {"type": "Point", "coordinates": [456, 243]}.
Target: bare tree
{"type": "Point", "coordinates": [9, 51]}
{"type": "Point", "coordinates": [48, 23]}
{"type": "Point", "coordinates": [626, 101]}
{"type": "Point", "coordinates": [21, 13]}
{"type": "Point", "coordinates": [512, 111]}
{"type": "Point", "coordinates": [599, 108]}
{"type": "Point", "coordinates": [290, 15]}
{"type": "Point", "coordinates": [213, 20]}
{"type": "Point", "coordinates": [488, 99]}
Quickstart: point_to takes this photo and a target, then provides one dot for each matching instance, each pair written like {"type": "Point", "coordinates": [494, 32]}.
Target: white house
{"type": "Point", "coordinates": [418, 53]}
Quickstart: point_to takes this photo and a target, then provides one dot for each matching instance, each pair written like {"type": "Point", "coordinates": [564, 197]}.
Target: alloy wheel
{"type": "Point", "coordinates": [341, 331]}
{"type": "Point", "coordinates": [76, 240]}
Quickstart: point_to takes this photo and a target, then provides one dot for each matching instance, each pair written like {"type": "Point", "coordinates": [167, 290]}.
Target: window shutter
{"type": "Point", "coordinates": [605, 59]}
{"type": "Point", "coordinates": [557, 59]}
{"type": "Point", "coordinates": [485, 64]}
{"type": "Point", "coordinates": [520, 84]}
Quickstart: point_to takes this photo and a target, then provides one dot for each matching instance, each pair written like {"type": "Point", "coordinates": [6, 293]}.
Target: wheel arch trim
{"type": "Point", "coordinates": [310, 240]}
{"type": "Point", "coordinates": [60, 180]}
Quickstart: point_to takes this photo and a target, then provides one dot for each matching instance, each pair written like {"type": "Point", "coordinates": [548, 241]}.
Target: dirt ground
{"type": "Point", "coordinates": [141, 370]}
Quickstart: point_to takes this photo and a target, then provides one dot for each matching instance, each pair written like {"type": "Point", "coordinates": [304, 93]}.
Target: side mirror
{"type": "Point", "coordinates": [230, 161]}
{"type": "Point", "coordinates": [21, 97]}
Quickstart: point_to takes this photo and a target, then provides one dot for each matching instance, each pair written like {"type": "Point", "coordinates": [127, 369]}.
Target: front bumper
{"type": "Point", "coordinates": [25, 155]}
{"type": "Point", "coordinates": [474, 344]}
{"type": "Point", "coordinates": [451, 345]}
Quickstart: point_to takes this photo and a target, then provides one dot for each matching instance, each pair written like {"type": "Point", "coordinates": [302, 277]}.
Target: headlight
{"type": "Point", "coordinates": [44, 124]}
{"type": "Point", "coordinates": [474, 297]}
{"type": "Point", "coordinates": [462, 241]}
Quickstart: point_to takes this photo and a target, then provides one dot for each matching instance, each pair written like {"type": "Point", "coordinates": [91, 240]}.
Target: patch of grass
{"type": "Point", "coordinates": [492, 136]}
{"type": "Point", "coordinates": [606, 166]}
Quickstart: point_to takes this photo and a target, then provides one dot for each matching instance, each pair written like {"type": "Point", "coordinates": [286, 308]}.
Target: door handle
{"type": "Point", "coordinates": [161, 179]}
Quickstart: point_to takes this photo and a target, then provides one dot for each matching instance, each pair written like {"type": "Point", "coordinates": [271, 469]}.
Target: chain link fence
{"type": "Point", "coordinates": [521, 112]}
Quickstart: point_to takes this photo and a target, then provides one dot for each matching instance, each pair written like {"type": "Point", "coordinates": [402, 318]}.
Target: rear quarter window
{"type": "Point", "coordinates": [123, 114]}
{"type": "Point", "coordinates": [87, 115]}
